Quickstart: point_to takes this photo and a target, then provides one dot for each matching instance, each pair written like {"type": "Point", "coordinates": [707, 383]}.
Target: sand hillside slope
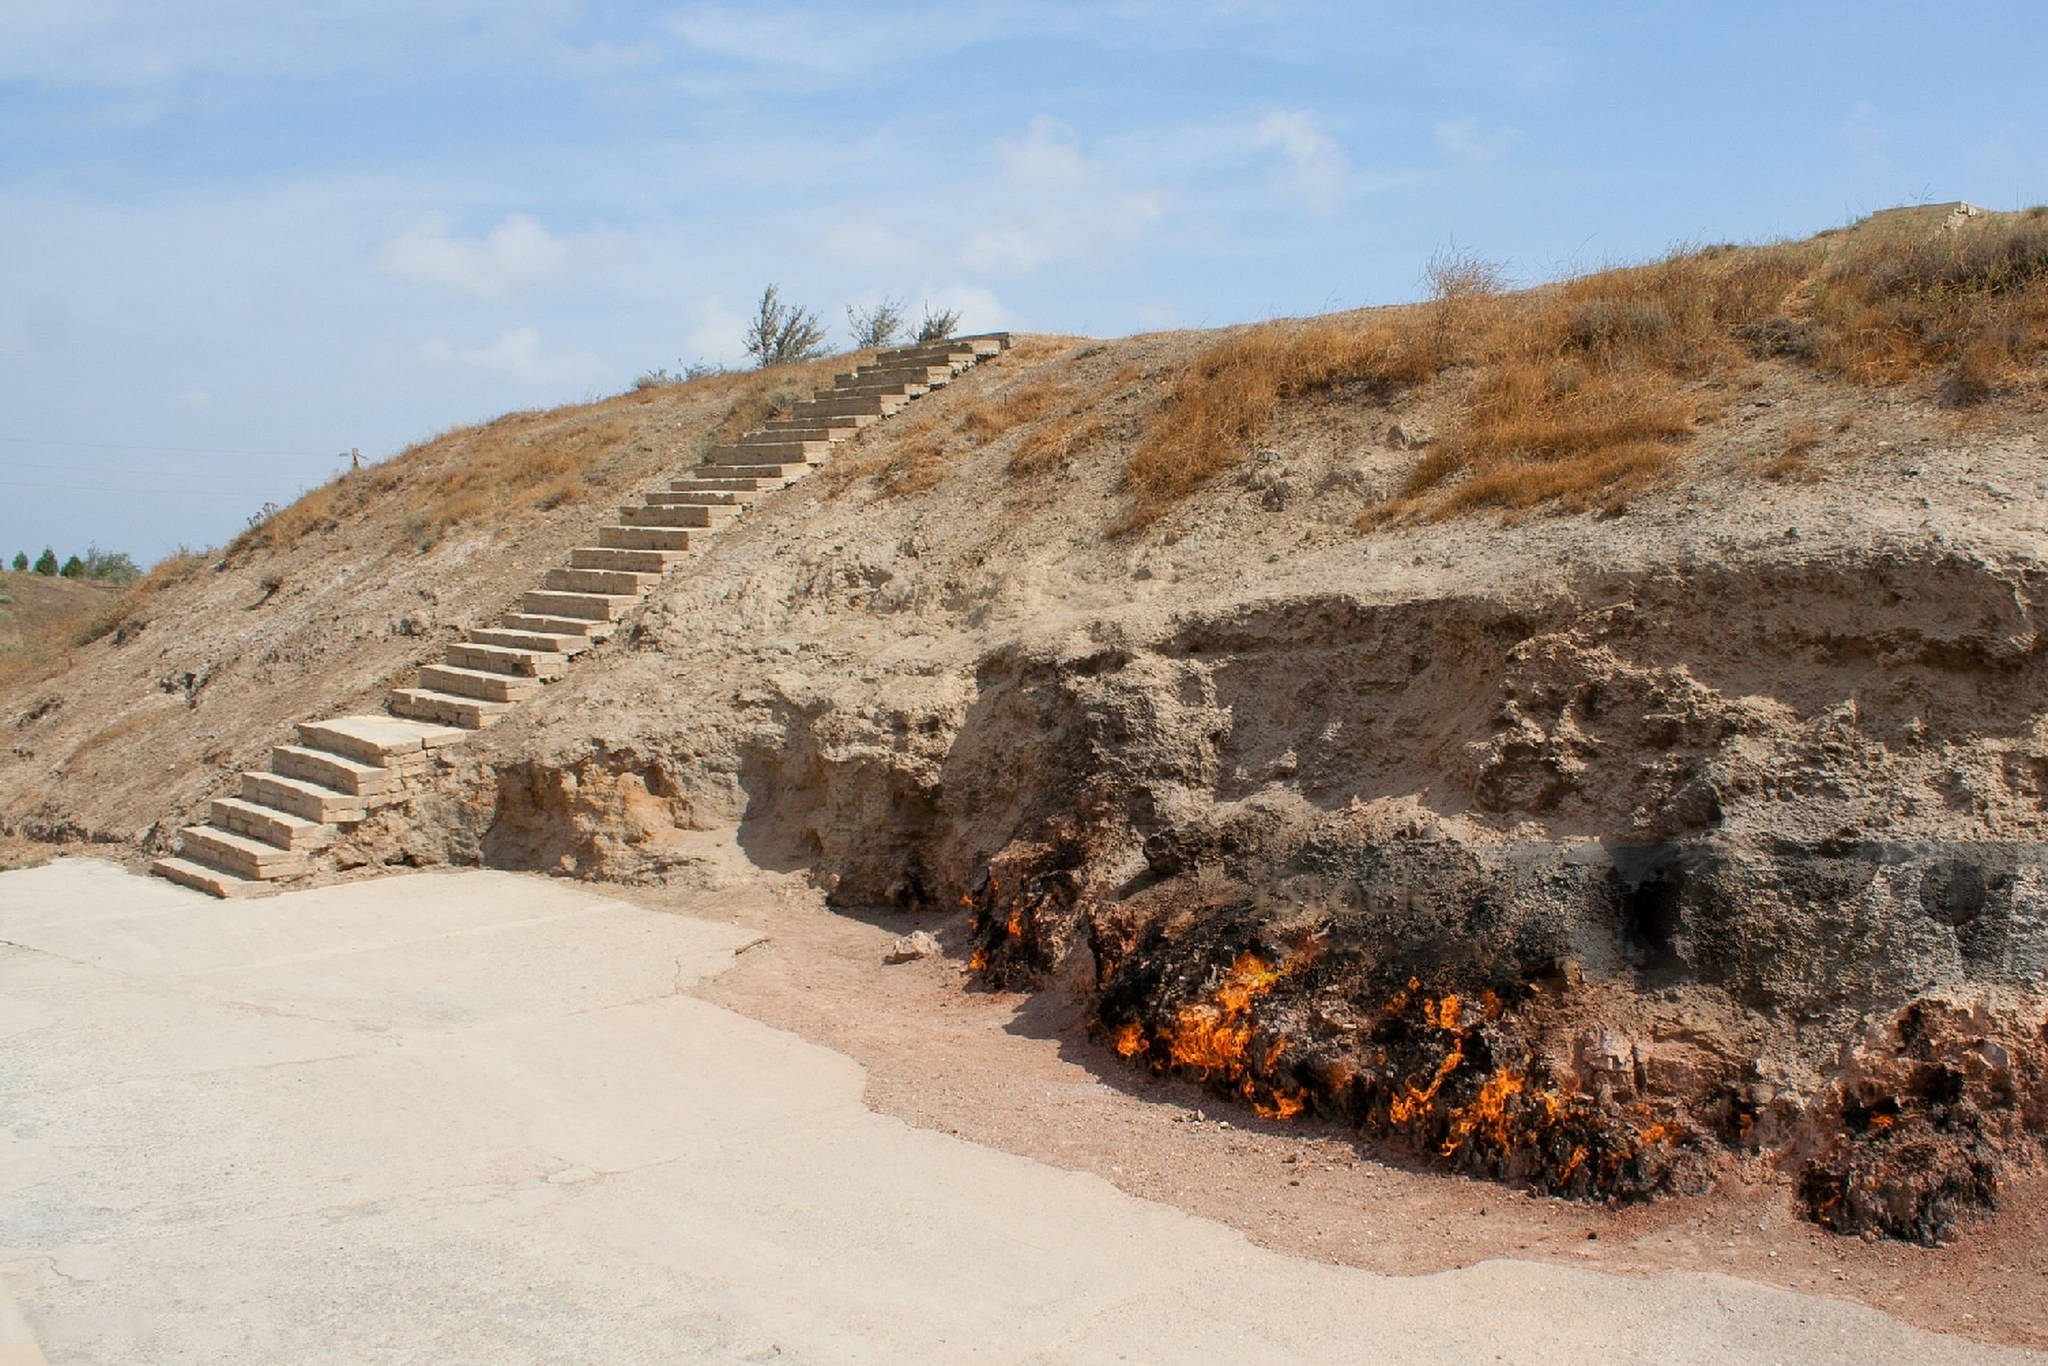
{"type": "Point", "coordinates": [1588, 736]}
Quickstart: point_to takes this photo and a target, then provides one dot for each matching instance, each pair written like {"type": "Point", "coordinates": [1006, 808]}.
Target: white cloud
{"type": "Point", "coordinates": [1318, 170]}
{"type": "Point", "coordinates": [1468, 140]}
{"type": "Point", "coordinates": [519, 353]}
{"type": "Point", "coordinates": [1050, 202]}
{"type": "Point", "coordinates": [517, 254]}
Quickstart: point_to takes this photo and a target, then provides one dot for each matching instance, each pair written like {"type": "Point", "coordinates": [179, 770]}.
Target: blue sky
{"type": "Point", "coordinates": [240, 237]}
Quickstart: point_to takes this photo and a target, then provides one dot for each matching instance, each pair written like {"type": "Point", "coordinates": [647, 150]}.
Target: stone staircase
{"type": "Point", "coordinates": [340, 770]}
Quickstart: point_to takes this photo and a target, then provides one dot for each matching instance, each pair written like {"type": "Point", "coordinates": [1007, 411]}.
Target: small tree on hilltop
{"type": "Point", "coordinates": [21, 562]}
{"type": "Point", "coordinates": [938, 326]}
{"type": "Point", "coordinates": [74, 568]}
{"type": "Point", "coordinates": [874, 328]}
{"type": "Point", "coordinates": [781, 333]}
{"type": "Point", "coordinates": [46, 563]}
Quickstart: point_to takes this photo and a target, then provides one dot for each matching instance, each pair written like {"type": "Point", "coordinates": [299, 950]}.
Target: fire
{"type": "Point", "coordinates": [1488, 1114]}
{"type": "Point", "coordinates": [1213, 1039]}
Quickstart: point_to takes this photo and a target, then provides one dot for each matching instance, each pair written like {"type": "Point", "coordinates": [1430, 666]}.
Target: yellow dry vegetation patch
{"type": "Point", "coordinates": [43, 617]}
{"type": "Point", "coordinates": [1579, 392]}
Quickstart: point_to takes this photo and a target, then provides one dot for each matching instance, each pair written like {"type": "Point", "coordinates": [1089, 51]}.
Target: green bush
{"type": "Point", "coordinates": [46, 563]}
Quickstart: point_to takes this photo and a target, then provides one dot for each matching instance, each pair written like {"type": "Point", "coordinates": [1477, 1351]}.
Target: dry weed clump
{"type": "Point", "coordinates": [1050, 446]}
{"type": "Point", "coordinates": [1971, 301]}
{"type": "Point", "coordinates": [1222, 403]}
{"type": "Point", "coordinates": [1006, 411]}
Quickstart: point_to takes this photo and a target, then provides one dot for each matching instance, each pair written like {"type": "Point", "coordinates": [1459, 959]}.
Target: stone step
{"type": "Point", "coordinates": [599, 581]}
{"type": "Point", "coordinates": [639, 561]}
{"type": "Point", "coordinates": [508, 659]}
{"type": "Point", "coordinates": [862, 412]}
{"type": "Point", "coordinates": [705, 497]}
{"type": "Point", "coordinates": [723, 505]}
{"type": "Point", "coordinates": [212, 881]}
{"type": "Point", "coordinates": [491, 687]}
{"type": "Point", "coordinates": [651, 515]}
{"type": "Point", "coordinates": [769, 453]}
{"type": "Point", "coordinates": [578, 606]}
{"type": "Point", "coordinates": [333, 770]}
{"type": "Point", "coordinates": [259, 822]}
{"type": "Point", "coordinates": [823, 438]}
{"type": "Point", "coordinates": [308, 801]}
{"type": "Point", "coordinates": [930, 376]}
{"type": "Point", "coordinates": [832, 429]}
{"type": "Point", "coordinates": [543, 642]}
{"type": "Point", "coordinates": [692, 483]}
{"type": "Point", "coordinates": [774, 476]}
{"type": "Point", "coordinates": [383, 740]}
{"type": "Point", "coordinates": [238, 854]}
{"type": "Point", "coordinates": [978, 347]}
{"type": "Point", "coordinates": [871, 406]}
{"type": "Point", "coordinates": [471, 713]}
{"type": "Point", "coordinates": [878, 386]}
{"type": "Point", "coordinates": [643, 538]}
{"type": "Point", "coordinates": [547, 624]}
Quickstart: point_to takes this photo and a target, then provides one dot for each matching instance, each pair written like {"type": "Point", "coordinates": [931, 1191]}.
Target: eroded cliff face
{"type": "Point", "coordinates": [1608, 888]}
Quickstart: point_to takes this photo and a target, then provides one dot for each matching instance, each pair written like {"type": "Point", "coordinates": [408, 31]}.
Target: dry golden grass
{"type": "Point", "coordinates": [1048, 447]}
{"type": "Point", "coordinates": [528, 461]}
{"type": "Point", "coordinates": [1021, 402]}
{"type": "Point", "coordinates": [41, 618]}
{"type": "Point", "coordinates": [1579, 392]}
{"type": "Point", "coordinates": [1791, 461]}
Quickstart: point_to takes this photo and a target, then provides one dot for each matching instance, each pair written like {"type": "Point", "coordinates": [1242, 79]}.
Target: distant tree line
{"type": "Point", "coordinates": [98, 565]}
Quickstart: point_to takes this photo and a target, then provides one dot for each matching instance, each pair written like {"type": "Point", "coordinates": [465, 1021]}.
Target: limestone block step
{"type": "Point", "coordinates": [656, 562]}
{"type": "Point", "coordinates": [238, 854]}
{"type": "Point", "coordinates": [774, 476]}
{"type": "Point", "coordinates": [833, 429]}
{"type": "Point", "coordinates": [544, 642]}
{"type": "Point", "coordinates": [471, 713]}
{"type": "Point", "coordinates": [670, 498]}
{"type": "Point", "coordinates": [547, 624]}
{"type": "Point", "coordinates": [307, 800]}
{"type": "Point", "coordinates": [650, 515]}
{"type": "Point", "coordinates": [579, 606]}
{"type": "Point", "coordinates": [259, 822]}
{"type": "Point", "coordinates": [333, 770]}
{"type": "Point", "coordinates": [643, 538]}
{"type": "Point", "coordinates": [870, 406]}
{"type": "Point", "coordinates": [823, 438]}
{"type": "Point", "coordinates": [508, 659]}
{"type": "Point", "coordinates": [382, 740]}
{"type": "Point", "coordinates": [880, 388]}
{"type": "Point", "coordinates": [953, 356]}
{"type": "Point", "coordinates": [769, 452]}
{"type": "Point", "coordinates": [978, 347]}
{"type": "Point", "coordinates": [212, 881]}
{"type": "Point", "coordinates": [693, 483]}
{"type": "Point", "coordinates": [930, 376]}
{"type": "Point", "coordinates": [862, 412]}
{"type": "Point", "coordinates": [491, 687]}
{"type": "Point", "coordinates": [703, 497]}
{"type": "Point", "coordinates": [599, 581]}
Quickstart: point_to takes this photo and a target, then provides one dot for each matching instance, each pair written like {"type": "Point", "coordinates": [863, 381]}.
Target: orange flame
{"type": "Point", "coordinates": [1214, 1038]}
{"type": "Point", "coordinates": [1129, 1040]}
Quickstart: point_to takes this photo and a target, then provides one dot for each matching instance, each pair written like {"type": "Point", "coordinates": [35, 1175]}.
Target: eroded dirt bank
{"type": "Point", "coordinates": [1603, 889]}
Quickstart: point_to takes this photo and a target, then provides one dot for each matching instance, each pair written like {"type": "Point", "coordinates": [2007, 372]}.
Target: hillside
{"type": "Point", "coordinates": [1590, 737]}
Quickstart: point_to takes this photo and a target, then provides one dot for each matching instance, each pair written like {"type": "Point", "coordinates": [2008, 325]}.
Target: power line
{"type": "Point", "coordinates": [148, 493]}
{"type": "Point", "coordinates": [10, 465]}
{"type": "Point", "coordinates": [180, 450]}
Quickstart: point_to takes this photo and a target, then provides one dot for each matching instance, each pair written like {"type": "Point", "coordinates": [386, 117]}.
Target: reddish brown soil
{"type": "Point", "coordinates": [1019, 1073]}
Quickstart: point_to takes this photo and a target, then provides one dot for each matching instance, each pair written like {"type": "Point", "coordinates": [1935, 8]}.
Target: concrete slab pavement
{"type": "Point", "coordinates": [469, 1117]}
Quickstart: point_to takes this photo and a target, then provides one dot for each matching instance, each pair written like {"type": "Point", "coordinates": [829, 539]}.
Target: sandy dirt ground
{"type": "Point", "coordinates": [476, 1117]}
{"type": "Point", "coordinates": [1020, 1073]}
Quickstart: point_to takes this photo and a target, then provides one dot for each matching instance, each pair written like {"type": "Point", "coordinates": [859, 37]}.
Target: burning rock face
{"type": "Point", "coordinates": [1309, 1015]}
{"type": "Point", "coordinates": [1530, 1015]}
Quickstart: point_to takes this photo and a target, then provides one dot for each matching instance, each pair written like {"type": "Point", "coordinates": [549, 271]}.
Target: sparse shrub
{"type": "Point", "coordinates": [937, 326]}
{"type": "Point", "coordinates": [1008, 410]}
{"type": "Point", "coordinates": [116, 568]}
{"type": "Point", "coordinates": [782, 333]}
{"type": "Point", "coordinates": [263, 514]}
{"type": "Point", "coordinates": [874, 328]}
